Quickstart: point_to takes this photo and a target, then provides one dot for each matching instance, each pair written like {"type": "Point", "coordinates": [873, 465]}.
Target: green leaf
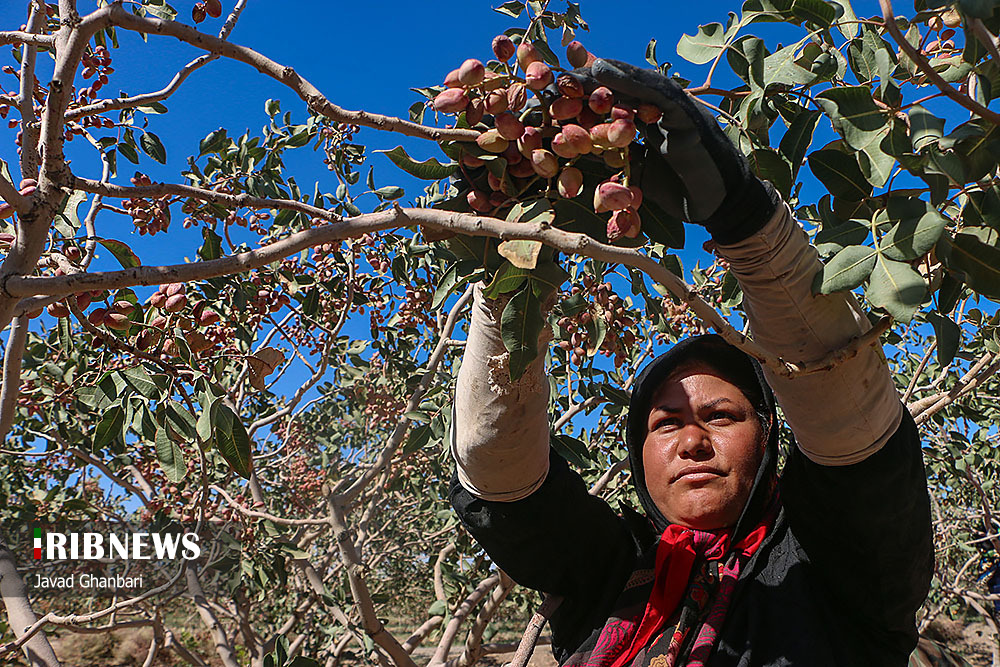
{"type": "Point", "coordinates": [767, 10]}
{"type": "Point", "coordinates": [982, 208]}
{"type": "Point", "coordinates": [795, 144]}
{"type": "Point", "coordinates": [536, 210]}
{"type": "Point", "coordinates": [232, 440]}
{"type": "Point", "coordinates": [212, 246]}
{"type": "Point", "coordinates": [445, 287]}
{"type": "Point", "coordinates": [507, 279]}
{"type": "Point", "coordinates": [109, 428]}
{"type": "Point", "coordinates": [520, 325]}
{"type": "Point", "coordinates": [847, 270]}
{"type": "Point", "coordinates": [67, 219]}
{"type": "Point", "coordinates": [128, 152]}
{"type": "Point", "coordinates": [925, 127]}
{"type": "Point", "coordinates": [948, 334]}
{"type": "Point", "coordinates": [170, 457]}
{"type": "Point", "coordinates": [390, 192]}
{"type": "Point", "coordinates": [848, 233]}
{"type": "Point", "coordinates": [847, 19]}
{"type": "Point", "coordinates": [418, 438]}
{"type": "Point", "coordinates": [153, 147]}
{"type": "Point", "coordinates": [573, 215]}
{"type": "Point", "coordinates": [178, 421]}
{"type": "Point", "coordinates": [203, 427]}
{"type": "Point", "coordinates": [139, 379]}
{"type": "Point", "coordinates": [897, 288]}
{"type": "Point", "coordinates": [780, 68]}
{"type": "Point", "coordinates": [702, 47]}
{"type": "Point", "coordinates": [913, 237]}
{"type": "Point", "coordinates": [122, 253]}
{"type": "Point", "coordinates": [430, 169]}
{"type": "Point", "coordinates": [946, 163]}
{"type": "Point", "coordinates": [651, 53]}
{"type": "Point", "coordinates": [854, 114]}
{"type": "Point", "coordinates": [876, 165]}
{"type": "Point", "coordinates": [979, 262]}
{"type": "Point", "coordinates": [573, 450]}
{"type": "Point", "coordinates": [817, 12]}
{"type": "Point", "coordinates": [213, 143]}
{"type": "Point", "coordinates": [521, 253]}
{"type": "Point", "coordinates": [840, 173]}
{"type": "Point", "coordinates": [512, 9]}
{"type": "Point", "coordinates": [770, 165]}
{"type": "Point", "coordinates": [746, 57]}
{"type": "Point", "coordinates": [439, 608]}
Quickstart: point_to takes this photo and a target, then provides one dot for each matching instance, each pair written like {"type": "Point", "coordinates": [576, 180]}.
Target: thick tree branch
{"type": "Point", "coordinates": [454, 625]}
{"type": "Point", "coordinates": [359, 589]}
{"type": "Point", "coordinates": [474, 225]}
{"type": "Point", "coordinates": [10, 195]}
{"type": "Point", "coordinates": [26, 94]}
{"type": "Point", "coordinates": [222, 645]}
{"type": "Point", "coordinates": [12, 374]}
{"type": "Point", "coordinates": [20, 37]}
{"type": "Point", "coordinates": [313, 98]}
{"type": "Point", "coordinates": [20, 617]}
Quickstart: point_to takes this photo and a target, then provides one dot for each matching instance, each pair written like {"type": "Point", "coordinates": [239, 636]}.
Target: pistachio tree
{"type": "Point", "coordinates": [287, 391]}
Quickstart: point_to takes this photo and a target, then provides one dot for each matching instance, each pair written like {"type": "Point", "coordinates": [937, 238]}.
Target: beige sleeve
{"type": "Point", "coordinates": [500, 430]}
{"type": "Point", "coordinates": [839, 416]}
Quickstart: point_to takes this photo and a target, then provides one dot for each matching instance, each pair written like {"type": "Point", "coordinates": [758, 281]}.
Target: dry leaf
{"type": "Point", "coordinates": [263, 362]}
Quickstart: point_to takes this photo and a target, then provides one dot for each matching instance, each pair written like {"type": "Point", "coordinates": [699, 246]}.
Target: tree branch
{"type": "Point", "coordinates": [313, 98]}
{"type": "Point", "coordinates": [12, 374]}
{"type": "Point", "coordinates": [928, 70]}
{"type": "Point", "coordinates": [208, 617]}
{"type": "Point", "coordinates": [465, 223]}
{"type": "Point", "coordinates": [359, 589]}
{"type": "Point", "coordinates": [20, 37]}
{"type": "Point", "coordinates": [175, 83]}
{"type": "Point", "coordinates": [26, 95]}
{"type": "Point", "coordinates": [20, 617]}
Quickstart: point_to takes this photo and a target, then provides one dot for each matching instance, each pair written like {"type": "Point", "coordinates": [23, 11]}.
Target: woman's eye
{"type": "Point", "coordinates": [718, 416]}
{"type": "Point", "coordinates": [667, 422]}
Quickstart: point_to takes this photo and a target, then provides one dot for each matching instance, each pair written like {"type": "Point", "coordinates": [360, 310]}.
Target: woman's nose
{"type": "Point", "coordinates": [694, 443]}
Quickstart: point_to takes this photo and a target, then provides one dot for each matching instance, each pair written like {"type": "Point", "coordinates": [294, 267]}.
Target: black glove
{"type": "Point", "coordinates": [690, 168]}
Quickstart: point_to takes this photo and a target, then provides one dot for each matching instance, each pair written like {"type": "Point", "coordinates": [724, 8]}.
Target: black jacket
{"type": "Point", "coordinates": [836, 582]}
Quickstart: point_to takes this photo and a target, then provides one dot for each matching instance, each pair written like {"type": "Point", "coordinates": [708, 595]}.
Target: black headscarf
{"type": "Point", "coordinates": [738, 368]}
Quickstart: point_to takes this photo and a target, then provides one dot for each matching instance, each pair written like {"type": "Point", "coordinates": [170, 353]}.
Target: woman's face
{"type": "Point", "coordinates": [703, 446]}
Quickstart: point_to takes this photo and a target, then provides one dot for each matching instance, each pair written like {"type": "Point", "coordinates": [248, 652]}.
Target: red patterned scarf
{"type": "Point", "coordinates": [706, 601]}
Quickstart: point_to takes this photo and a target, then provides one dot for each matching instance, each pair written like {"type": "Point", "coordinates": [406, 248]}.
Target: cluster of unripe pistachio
{"type": "Point", "coordinates": [96, 65]}
{"type": "Point", "coordinates": [574, 329]}
{"type": "Point", "coordinates": [148, 215]}
{"type": "Point", "coordinates": [205, 8]}
{"type": "Point", "coordinates": [382, 406]}
{"type": "Point", "coordinates": [305, 480]}
{"type": "Point", "coordinates": [572, 124]}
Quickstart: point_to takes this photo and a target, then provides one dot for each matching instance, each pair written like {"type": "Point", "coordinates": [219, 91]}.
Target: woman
{"type": "Point", "coordinates": [733, 564]}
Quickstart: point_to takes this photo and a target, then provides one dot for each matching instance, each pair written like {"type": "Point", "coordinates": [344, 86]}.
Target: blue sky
{"type": "Point", "coordinates": [361, 55]}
